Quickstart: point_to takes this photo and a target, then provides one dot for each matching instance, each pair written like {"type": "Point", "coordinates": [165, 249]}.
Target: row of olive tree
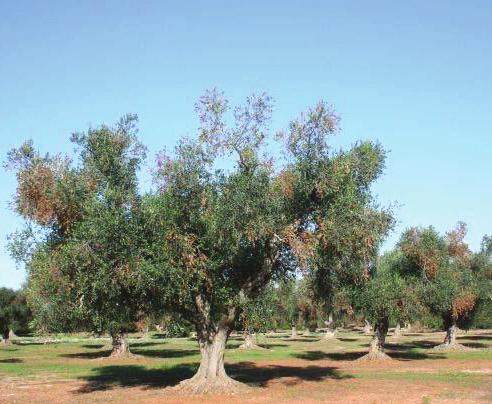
{"type": "Point", "coordinates": [101, 255]}
{"type": "Point", "coordinates": [426, 273]}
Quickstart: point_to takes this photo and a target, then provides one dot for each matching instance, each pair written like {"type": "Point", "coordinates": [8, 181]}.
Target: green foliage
{"type": "Point", "coordinates": [258, 314]}
{"type": "Point", "coordinates": [14, 313]}
{"type": "Point", "coordinates": [386, 295]}
{"type": "Point", "coordinates": [454, 279]}
{"type": "Point", "coordinates": [84, 272]}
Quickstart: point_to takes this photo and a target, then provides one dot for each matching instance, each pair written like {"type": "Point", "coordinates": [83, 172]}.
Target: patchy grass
{"type": "Point", "coordinates": [308, 367]}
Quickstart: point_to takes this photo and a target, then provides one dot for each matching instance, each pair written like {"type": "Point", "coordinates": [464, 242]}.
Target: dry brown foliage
{"type": "Point", "coordinates": [464, 304]}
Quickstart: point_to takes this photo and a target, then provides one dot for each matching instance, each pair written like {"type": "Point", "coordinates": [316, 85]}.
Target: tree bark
{"type": "Point", "coordinates": [397, 331]}
{"type": "Point", "coordinates": [249, 341]}
{"type": "Point", "coordinates": [376, 348]}
{"type": "Point", "coordinates": [5, 337]}
{"type": "Point", "coordinates": [120, 347]}
{"type": "Point", "coordinates": [330, 330]}
{"type": "Point", "coordinates": [294, 332]}
{"type": "Point", "coordinates": [367, 328]}
{"type": "Point", "coordinates": [450, 338]}
{"type": "Point", "coordinates": [211, 376]}
{"type": "Point", "coordinates": [450, 342]}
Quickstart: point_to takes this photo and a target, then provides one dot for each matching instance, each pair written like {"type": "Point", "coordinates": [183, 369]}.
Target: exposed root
{"type": "Point", "coordinates": [374, 356]}
{"type": "Point", "coordinates": [452, 347]}
{"type": "Point", "coordinates": [217, 385]}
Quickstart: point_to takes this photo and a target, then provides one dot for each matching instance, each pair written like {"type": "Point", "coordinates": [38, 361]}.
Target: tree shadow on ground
{"type": "Point", "coordinates": [11, 360]}
{"type": "Point", "coordinates": [88, 355]}
{"type": "Point", "coordinates": [302, 339]}
{"type": "Point", "coordinates": [108, 377]}
{"type": "Point", "coordinates": [347, 339]}
{"type": "Point", "coordinates": [280, 335]}
{"type": "Point", "coordinates": [484, 337]}
{"type": "Point", "coordinates": [250, 373]}
{"type": "Point", "coordinates": [165, 353]}
{"type": "Point", "coordinates": [154, 353]}
{"type": "Point", "coordinates": [476, 345]}
{"type": "Point", "coordinates": [422, 344]}
{"type": "Point", "coordinates": [92, 346]}
{"type": "Point", "coordinates": [353, 355]}
{"type": "Point", "coordinates": [268, 345]}
{"type": "Point", "coordinates": [337, 356]}
{"type": "Point", "coordinates": [147, 343]}
{"type": "Point", "coordinates": [159, 336]}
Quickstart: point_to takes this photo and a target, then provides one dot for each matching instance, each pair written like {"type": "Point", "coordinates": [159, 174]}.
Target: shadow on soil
{"type": "Point", "coordinates": [152, 353]}
{"type": "Point", "coordinates": [11, 360]}
{"type": "Point", "coordinates": [394, 351]}
{"type": "Point", "coordinates": [108, 377]}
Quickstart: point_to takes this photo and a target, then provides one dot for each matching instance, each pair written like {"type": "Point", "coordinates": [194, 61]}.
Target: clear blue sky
{"type": "Point", "coordinates": [415, 75]}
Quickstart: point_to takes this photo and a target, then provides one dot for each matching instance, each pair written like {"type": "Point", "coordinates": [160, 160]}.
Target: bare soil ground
{"type": "Point", "coordinates": [307, 370]}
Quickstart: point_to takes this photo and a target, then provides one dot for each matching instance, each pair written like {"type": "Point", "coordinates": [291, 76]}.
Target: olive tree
{"type": "Point", "coordinates": [84, 268]}
{"type": "Point", "coordinates": [221, 235]}
{"type": "Point", "coordinates": [385, 298]}
{"type": "Point", "coordinates": [445, 266]}
{"type": "Point", "coordinates": [257, 317]}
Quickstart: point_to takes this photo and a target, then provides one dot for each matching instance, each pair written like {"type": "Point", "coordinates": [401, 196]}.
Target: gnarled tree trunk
{"type": "Point", "coordinates": [397, 331]}
{"type": "Point", "coordinates": [120, 347]}
{"type": "Point", "coordinates": [367, 328]}
{"type": "Point", "coordinates": [249, 341]}
{"type": "Point", "coordinates": [330, 330]}
{"type": "Point", "coordinates": [450, 338]}
{"type": "Point", "coordinates": [5, 337]}
{"type": "Point", "coordinates": [376, 348]}
{"type": "Point", "coordinates": [294, 332]}
{"type": "Point", "coordinates": [211, 376]}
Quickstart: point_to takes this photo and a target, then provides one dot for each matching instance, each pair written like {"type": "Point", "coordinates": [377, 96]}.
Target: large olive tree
{"type": "Point", "coordinates": [220, 235]}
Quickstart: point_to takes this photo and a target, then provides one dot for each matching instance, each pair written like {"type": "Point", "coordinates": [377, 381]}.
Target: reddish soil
{"type": "Point", "coordinates": [319, 381]}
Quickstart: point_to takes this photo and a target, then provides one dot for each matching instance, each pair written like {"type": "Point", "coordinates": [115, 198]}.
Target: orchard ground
{"type": "Point", "coordinates": [305, 369]}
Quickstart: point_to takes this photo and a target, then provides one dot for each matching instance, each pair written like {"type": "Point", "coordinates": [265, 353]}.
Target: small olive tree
{"type": "Point", "coordinates": [386, 298]}
{"type": "Point", "coordinates": [256, 317]}
{"type": "Point", "coordinates": [445, 266]}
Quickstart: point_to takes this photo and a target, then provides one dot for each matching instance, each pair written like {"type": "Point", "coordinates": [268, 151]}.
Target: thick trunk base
{"type": "Point", "coordinates": [6, 342]}
{"type": "Point", "coordinates": [452, 347]}
{"type": "Point", "coordinates": [450, 343]}
{"type": "Point", "coordinates": [119, 347]}
{"type": "Point", "coordinates": [293, 333]}
{"type": "Point", "coordinates": [249, 342]}
{"type": "Point", "coordinates": [374, 356]}
{"type": "Point", "coordinates": [376, 350]}
{"type": "Point", "coordinates": [211, 377]}
{"type": "Point", "coordinates": [367, 328]}
{"type": "Point", "coordinates": [200, 384]}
